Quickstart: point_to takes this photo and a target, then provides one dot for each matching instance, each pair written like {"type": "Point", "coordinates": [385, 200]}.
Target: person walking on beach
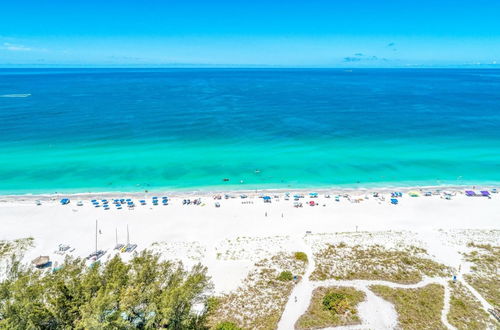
{"type": "Point", "coordinates": [266, 214]}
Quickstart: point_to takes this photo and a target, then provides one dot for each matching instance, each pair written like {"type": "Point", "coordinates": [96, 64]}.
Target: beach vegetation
{"type": "Point", "coordinates": [261, 298]}
{"type": "Point", "coordinates": [417, 308]}
{"type": "Point", "coordinates": [227, 326]}
{"type": "Point", "coordinates": [285, 275]}
{"type": "Point", "coordinates": [17, 246]}
{"type": "Point", "coordinates": [301, 256]}
{"type": "Point", "coordinates": [145, 293]}
{"type": "Point", "coordinates": [401, 265]}
{"type": "Point", "coordinates": [465, 310]}
{"type": "Point", "coordinates": [331, 307]}
{"type": "Point", "coordinates": [483, 274]}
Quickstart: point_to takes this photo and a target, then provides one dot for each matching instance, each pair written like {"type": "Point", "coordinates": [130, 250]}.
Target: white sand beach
{"type": "Point", "coordinates": [229, 239]}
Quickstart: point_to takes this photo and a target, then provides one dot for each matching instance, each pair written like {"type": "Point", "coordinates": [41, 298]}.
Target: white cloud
{"type": "Point", "coordinates": [16, 47]}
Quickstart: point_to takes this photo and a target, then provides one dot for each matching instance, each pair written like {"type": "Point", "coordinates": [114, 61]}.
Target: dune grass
{"type": "Point", "coordinates": [417, 308]}
{"type": "Point", "coordinates": [331, 307]}
{"type": "Point", "coordinates": [465, 311]}
{"type": "Point", "coordinates": [405, 265]}
{"type": "Point", "coordinates": [16, 246]}
{"type": "Point", "coordinates": [484, 271]}
{"type": "Point", "coordinates": [259, 302]}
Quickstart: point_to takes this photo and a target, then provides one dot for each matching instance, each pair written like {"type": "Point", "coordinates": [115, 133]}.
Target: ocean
{"type": "Point", "coordinates": [91, 130]}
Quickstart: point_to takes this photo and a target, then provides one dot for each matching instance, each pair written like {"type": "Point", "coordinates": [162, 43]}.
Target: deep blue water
{"type": "Point", "coordinates": [124, 129]}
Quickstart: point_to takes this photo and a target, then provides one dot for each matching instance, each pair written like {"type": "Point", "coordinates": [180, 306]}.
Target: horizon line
{"type": "Point", "coordinates": [268, 67]}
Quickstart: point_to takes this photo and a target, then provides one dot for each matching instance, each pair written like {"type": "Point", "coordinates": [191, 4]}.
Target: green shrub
{"type": "Point", "coordinates": [285, 276]}
{"type": "Point", "coordinates": [227, 326]}
{"type": "Point", "coordinates": [301, 256]}
{"type": "Point", "coordinates": [335, 302]}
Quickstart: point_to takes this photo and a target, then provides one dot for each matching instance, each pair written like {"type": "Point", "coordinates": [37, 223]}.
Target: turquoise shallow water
{"type": "Point", "coordinates": [134, 130]}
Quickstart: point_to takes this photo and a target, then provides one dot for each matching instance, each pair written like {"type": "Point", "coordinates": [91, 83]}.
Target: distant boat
{"type": "Point", "coordinates": [15, 95]}
{"type": "Point", "coordinates": [97, 253]}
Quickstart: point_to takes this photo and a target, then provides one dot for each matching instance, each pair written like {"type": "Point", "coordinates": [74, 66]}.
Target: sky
{"type": "Point", "coordinates": [234, 33]}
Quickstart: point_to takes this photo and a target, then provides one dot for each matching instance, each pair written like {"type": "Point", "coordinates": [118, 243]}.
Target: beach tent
{"type": "Point", "coordinates": [470, 193]}
{"type": "Point", "coordinates": [65, 201]}
{"type": "Point", "coordinates": [485, 193]}
{"type": "Point", "coordinates": [394, 201]}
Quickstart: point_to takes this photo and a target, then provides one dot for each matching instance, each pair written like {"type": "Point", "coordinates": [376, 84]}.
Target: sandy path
{"type": "Point", "coordinates": [486, 305]}
{"type": "Point", "coordinates": [303, 291]}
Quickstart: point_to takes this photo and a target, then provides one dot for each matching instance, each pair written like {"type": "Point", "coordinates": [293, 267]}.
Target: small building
{"type": "Point", "coordinates": [41, 262]}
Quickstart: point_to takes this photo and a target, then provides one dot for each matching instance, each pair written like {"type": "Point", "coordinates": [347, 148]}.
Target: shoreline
{"type": "Point", "coordinates": [249, 192]}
